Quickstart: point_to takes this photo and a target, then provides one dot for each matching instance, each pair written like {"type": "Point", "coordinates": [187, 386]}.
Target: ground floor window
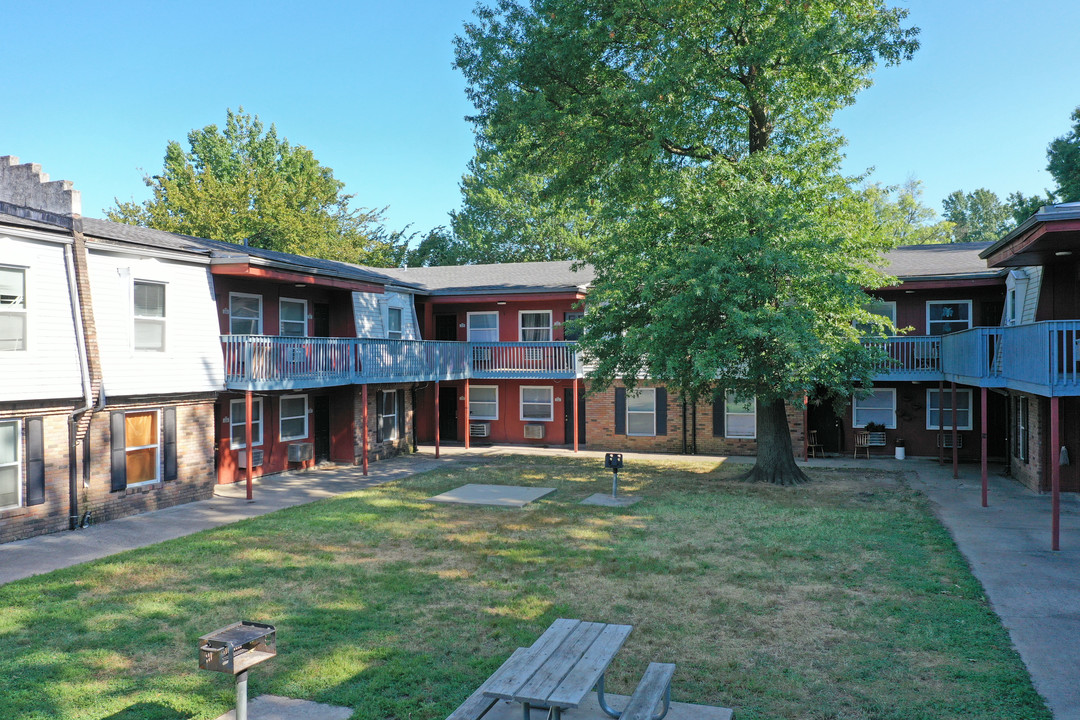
{"type": "Point", "coordinates": [10, 464]}
{"type": "Point", "coordinates": [293, 422]}
{"type": "Point", "coordinates": [388, 411]}
{"type": "Point", "coordinates": [939, 408]}
{"type": "Point", "coordinates": [1022, 433]}
{"type": "Point", "coordinates": [641, 412]}
{"type": "Point", "coordinates": [484, 402]}
{"type": "Point", "coordinates": [537, 403]}
{"type": "Point", "coordinates": [238, 419]}
{"type": "Point", "coordinates": [740, 416]}
{"type": "Point", "coordinates": [878, 407]}
{"type": "Point", "coordinates": [142, 443]}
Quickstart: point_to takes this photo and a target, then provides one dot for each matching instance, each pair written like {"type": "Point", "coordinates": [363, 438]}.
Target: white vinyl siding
{"type": "Point", "coordinates": [238, 421]}
{"type": "Point", "coordinates": [245, 314]}
{"type": "Point", "coordinates": [371, 314]}
{"type": "Point", "coordinates": [947, 316]}
{"type": "Point", "coordinates": [534, 325]}
{"type": "Point", "coordinates": [10, 464]}
{"type": "Point", "coordinates": [293, 413]}
{"type": "Point", "coordinates": [484, 402]}
{"type": "Point", "coordinates": [740, 416]}
{"type": "Point", "coordinates": [537, 403]}
{"type": "Point", "coordinates": [12, 309]}
{"type": "Point", "coordinates": [148, 303]}
{"type": "Point", "coordinates": [641, 412]}
{"type": "Point", "coordinates": [482, 326]}
{"type": "Point", "coordinates": [935, 411]}
{"type": "Point", "coordinates": [878, 407]}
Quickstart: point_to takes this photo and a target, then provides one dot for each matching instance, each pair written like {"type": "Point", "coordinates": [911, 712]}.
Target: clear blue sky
{"type": "Point", "coordinates": [93, 93]}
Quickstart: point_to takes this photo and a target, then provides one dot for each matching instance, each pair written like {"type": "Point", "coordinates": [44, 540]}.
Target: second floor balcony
{"type": "Point", "coordinates": [1041, 358]}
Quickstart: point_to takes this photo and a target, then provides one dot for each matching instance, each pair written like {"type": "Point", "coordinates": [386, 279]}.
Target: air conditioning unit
{"type": "Point", "coordinates": [256, 458]}
{"type": "Point", "coordinates": [299, 452]}
{"type": "Point", "coordinates": [295, 355]}
{"type": "Point", "coordinates": [534, 431]}
{"type": "Point", "coordinates": [479, 430]}
{"type": "Point", "coordinates": [946, 440]}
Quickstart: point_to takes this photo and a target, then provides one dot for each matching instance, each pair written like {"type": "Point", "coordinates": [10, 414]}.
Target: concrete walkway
{"type": "Point", "coordinates": [1036, 592]}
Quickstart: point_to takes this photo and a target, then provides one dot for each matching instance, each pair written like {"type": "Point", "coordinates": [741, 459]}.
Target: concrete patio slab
{"type": "Point", "coordinates": [608, 501]}
{"type": "Point", "coordinates": [590, 710]}
{"type": "Point", "coordinates": [498, 495]}
{"type": "Point", "coordinates": [275, 707]}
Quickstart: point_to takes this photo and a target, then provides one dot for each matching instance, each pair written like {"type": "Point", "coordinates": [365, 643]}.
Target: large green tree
{"type": "Point", "coordinates": [244, 183]}
{"type": "Point", "coordinates": [729, 251]}
{"type": "Point", "coordinates": [1064, 162]}
{"type": "Point", "coordinates": [977, 216]}
{"type": "Point", "coordinates": [901, 214]}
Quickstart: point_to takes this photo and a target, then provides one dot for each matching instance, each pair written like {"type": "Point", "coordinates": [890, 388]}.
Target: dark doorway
{"type": "Point", "coordinates": [997, 420]}
{"type": "Point", "coordinates": [829, 426]}
{"type": "Point", "coordinates": [448, 413]}
{"type": "Point", "coordinates": [446, 327]}
{"type": "Point", "coordinates": [991, 312]}
{"type": "Point", "coordinates": [320, 315]}
{"type": "Point", "coordinates": [320, 421]}
{"type": "Point", "coordinates": [568, 415]}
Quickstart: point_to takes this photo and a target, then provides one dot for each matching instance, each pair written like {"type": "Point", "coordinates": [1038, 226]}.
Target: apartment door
{"type": "Point", "coordinates": [568, 415]}
{"type": "Point", "coordinates": [320, 316]}
{"type": "Point", "coordinates": [320, 424]}
{"type": "Point", "coordinates": [829, 426]}
{"type": "Point", "coordinates": [448, 410]}
{"type": "Point", "coordinates": [446, 327]}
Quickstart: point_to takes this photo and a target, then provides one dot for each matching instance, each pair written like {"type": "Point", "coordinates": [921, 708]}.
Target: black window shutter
{"type": "Point", "coordinates": [119, 451]}
{"type": "Point", "coordinates": [401, 414]}
{"type": "Point", "coordinates": [661, 411]}
{"type": "Point", "coordinates": [169, 440]}
{"type": "Point", "coordinates": [620, 411]}
{"type": "Point", "coordinates": [35, 461]}
{"type": "Point", "coordinates": [718, 409]}
{"type": "Point", "coordinates": [378, 416]}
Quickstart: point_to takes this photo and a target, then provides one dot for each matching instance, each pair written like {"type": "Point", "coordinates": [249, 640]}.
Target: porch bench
{"type": "Point", "coordinates": [478, 704]}
{"type": "Point", "coordinates": [655, 686]}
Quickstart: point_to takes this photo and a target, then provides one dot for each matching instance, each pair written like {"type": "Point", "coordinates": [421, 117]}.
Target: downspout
{"type": "Point", "coordinates": [683, 423]}
{"type": "Point", "coordinates": [693, 428]}
{"type": "Point", "coordinates": [412, 394]}
{"type": "Point", "coordinates": [88, 399]}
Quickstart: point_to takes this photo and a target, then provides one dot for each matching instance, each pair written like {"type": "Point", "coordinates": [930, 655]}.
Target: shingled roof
{"type": "Point", "coordinates": [527, 277]}
{"type": "Point", "coordinates": [930, 262]}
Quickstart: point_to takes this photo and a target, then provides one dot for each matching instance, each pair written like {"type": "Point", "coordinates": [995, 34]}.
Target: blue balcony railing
{"type": "Point", "coordinates": [907, 357]}
{"type": "Point", "coordinates": [1042, 357]}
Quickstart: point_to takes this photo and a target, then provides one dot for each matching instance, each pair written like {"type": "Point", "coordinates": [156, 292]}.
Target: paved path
{"type": "Point", "coordinates": [1036, 592]}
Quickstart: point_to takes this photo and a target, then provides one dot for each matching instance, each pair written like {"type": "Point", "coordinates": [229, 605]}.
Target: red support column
{"type": "Point", "coordinates": [955, 449]}
{"type": "Point", "coordinates": [466, 413]}
{"type": "Point", "coordinates": [247, 440]}
{"type": "Point", "coordinates": [941, 422]}
{"type": "Point", "coordinates": [982, 425]}
{"type": "Point", "coordinates": [574, 400]}
{"type": "Point", "coordinates": [363, 441]}
{"type": "Point", "coordinates": [1055, 473]}
{"type": "Point", "coordinates": [436, 419]}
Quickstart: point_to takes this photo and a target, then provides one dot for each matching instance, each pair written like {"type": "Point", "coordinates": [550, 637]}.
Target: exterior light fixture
{"type": "Point", "coordinates": [1063, 253]}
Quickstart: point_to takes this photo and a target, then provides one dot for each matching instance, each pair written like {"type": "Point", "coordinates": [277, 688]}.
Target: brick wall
{"type": "Point", "coordinates": [1032, 472]}
{"type": "Point", "coordinates": [387, 448]}
{"type": "Point", "coordinates": [52, 515]}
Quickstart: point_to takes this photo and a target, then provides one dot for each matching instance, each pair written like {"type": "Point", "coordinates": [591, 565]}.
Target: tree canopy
{"type": "Point", "coordinates": [901, 215]}
{"type": "Point", "coordinates": [1063, 155]}
{"type": "Point", "coordinates": [244, 183]}
{"type": "Point", "coordinates": [729, 251]}
{"type": "Point", "coordinates": [977, 216]}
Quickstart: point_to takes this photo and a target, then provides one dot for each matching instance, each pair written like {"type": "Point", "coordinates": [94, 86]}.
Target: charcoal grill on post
{"type": "Point", "coordinates": [235, 649]}
{"type": "Point", "coordinates": [613, 461]}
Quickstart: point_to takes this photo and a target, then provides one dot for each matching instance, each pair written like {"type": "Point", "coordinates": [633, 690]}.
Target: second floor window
{"type": "Point", "coordinates": [948, 316]}
{"type": "Point", "coordinates": [483, 327]}
{"type": "Point", "coordinates": [149, 316]}
{"type": "Point", "coordinates": [12, 308]}
{"type": "Point", "coordinates": [245, 314]}
{"type": "Point", "coordinates": [393, 323]}
{"type": "Point", "coordinates": [884, 308]}
{"type": "Point", "coordinates": [572, 334]}
{"type": "Point", "coordinates": [535, 326]}
{"type": "Point", "coordinates": [293, 321]}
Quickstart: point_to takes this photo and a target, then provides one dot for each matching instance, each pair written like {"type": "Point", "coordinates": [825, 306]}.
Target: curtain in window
{"type": "Point", "coordinates": [141, 436]}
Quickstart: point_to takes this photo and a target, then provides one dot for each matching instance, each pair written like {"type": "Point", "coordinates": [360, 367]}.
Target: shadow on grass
{"type": "Point", "coordinates": [146, 711]}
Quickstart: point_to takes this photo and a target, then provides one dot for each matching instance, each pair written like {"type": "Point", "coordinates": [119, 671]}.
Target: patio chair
{"type": "Point", "coordinates": [862, 442]}
{"type": "Point", "coordinates": [813, 446]}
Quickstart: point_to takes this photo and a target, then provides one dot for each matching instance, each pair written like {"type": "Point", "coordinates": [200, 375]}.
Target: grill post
{"type": "Point", "coordinates": [241, 696]}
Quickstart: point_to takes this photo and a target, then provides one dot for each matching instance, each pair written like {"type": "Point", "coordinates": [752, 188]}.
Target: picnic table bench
{"type": "Point", "coordinates": [561, 668]}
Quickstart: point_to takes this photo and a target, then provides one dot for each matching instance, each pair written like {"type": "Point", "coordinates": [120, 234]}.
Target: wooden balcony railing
{"type": "Point", "coordinates": [1042, 357]}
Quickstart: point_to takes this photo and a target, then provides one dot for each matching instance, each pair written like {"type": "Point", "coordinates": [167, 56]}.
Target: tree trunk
{"type": "Point", "coordinates": [775, 458]}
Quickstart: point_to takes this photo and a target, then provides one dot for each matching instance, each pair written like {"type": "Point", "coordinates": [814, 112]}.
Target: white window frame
{"type": "Point", "coordinates": [855, 409]}
{"type": "Point", "coordinates": [399, 333]}
{"type": "Point", "coordinates": [379, 412]}
{"type": "Point", "coordinates": [469, 329]}
{"type": "Point", "coordinates": [281, 316]}
{"type": "Point", "coordinates": [282, 418]}
{"type": "Point", "coordinates": [970, 410]}
{"type": "Point", "coordinates": [19, 478]}
{"type": "Point", "coordinates": [156, 446]}
{"type": "Point", "coordinates": [877, 303]}
{"type": "Point", "coordinates": [970, 318]}
{"type": "Point", "coordinates": [472, 399]}
{"type": "Point", "coordinates": [550, 403]}
{"type": "Point", "coordinates": [728, 397]}
{"type": "Point", "coordinates": [13, 310]}
{"type": "Point", "coordinates": [570, 316]}
{"type": "Point", "coordinates": [522, 328]}
{"type": "Point", "coordinates": [241, 413]}
{"type": "Point", "coordinates": [162, 319]}
{"type": "Point", "coordinates": [1010, 306]}
{"type": "Point", "coordinates": [258, 320]}
{"type": "Point", "coordinates": [640, 392]}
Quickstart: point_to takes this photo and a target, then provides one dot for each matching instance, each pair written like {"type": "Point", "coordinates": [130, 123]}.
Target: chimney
{"type": "Point", "coordinates": [26, 192]}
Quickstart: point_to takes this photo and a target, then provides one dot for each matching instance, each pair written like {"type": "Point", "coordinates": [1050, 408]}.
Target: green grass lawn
{"type": "Point", "coordinates": [840, 599]}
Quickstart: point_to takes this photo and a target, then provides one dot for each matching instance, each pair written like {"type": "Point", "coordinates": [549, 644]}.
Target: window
{"type": "Point", "coordinates": [877, 407]}
{"type": "Point", "coordinates": [388, 415]}
{"type": "Point", "coordinates": [1010, 307]}
{"type": "Point", "coordinates": [12, 309]}
{"type": "Point", "coordinates": [534, 326]}
{"type": "Point", "coordinates": [1022, 433]}
{"type": "Point", "coordinates": [10, 464]}
{"type": "Point", "coordinates": [939, 407]}
{"type": "Point", "coordinates": [293, 421]}
{"type": "Point", "coordinates": [141, 438]}
{"type": "Point", "coordinates": [238, 419]}
{"type": "Point", "coordinates": [393, 323]}
{"type": "Point", "coordinates": [483, 327]}
{"type": "Point", "coordinates": [483, 402]}
{"type": "Point", "coordinates": [245, 314]}
{"type": "Point", "coordinates": [641, 412]}
{"type": "Point", "coordinates": [149, 316]}
{"type": "Point", "coordinates": [537, 403]}
{"type": "Point", "coordinates": [943, 317]}
{"type": "Point", "coordinates": [293, 318]}
{"type": "Point", "coordinates": [571, 334]}
{"type": "Point", "coordinates": [886, 309]}
{"type": "Point", "coordinates": [740, 416]}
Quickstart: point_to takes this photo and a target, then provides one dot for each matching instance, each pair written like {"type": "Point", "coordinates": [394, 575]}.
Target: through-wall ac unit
{"type": "Point", "coordinates": [534, 431]}
{"type": "Point", "coordinates": [256, 458]}
{"type": "Point", "coordinates": [946, 441]}
{"type": "Point", "coordinates": [481, 430]}
{"type": "Point", "coordinates": [299, 452]}
{"type": "Point", "coordinates": [295, 354]}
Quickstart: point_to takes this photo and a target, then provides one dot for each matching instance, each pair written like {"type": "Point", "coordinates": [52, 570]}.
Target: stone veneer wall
{"type": "Point", "coordinates": [387, 448]}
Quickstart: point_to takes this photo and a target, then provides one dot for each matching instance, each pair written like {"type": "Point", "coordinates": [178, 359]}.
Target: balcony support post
{"type": "Point", "coordinates": [467, 428]}
{"type": "Point", "coordinates": [955, 449]}
{"type": "Point", "coordinates": [437, 420]}
{"type": "Point", "coordinates": [805, 425]}
{"type": "Point", "coordinates": [574, 401]}
{"type": "Point", "coordinates": [247, 440]}
{"type": "Point", "coordinates": [982, 440]}
{"type": "Point", "coordinates": [364, 430]}
{"type": "Point", "coordinates": [941, 422]}
{"type": "Point", "coordinates": [1055, 473]}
